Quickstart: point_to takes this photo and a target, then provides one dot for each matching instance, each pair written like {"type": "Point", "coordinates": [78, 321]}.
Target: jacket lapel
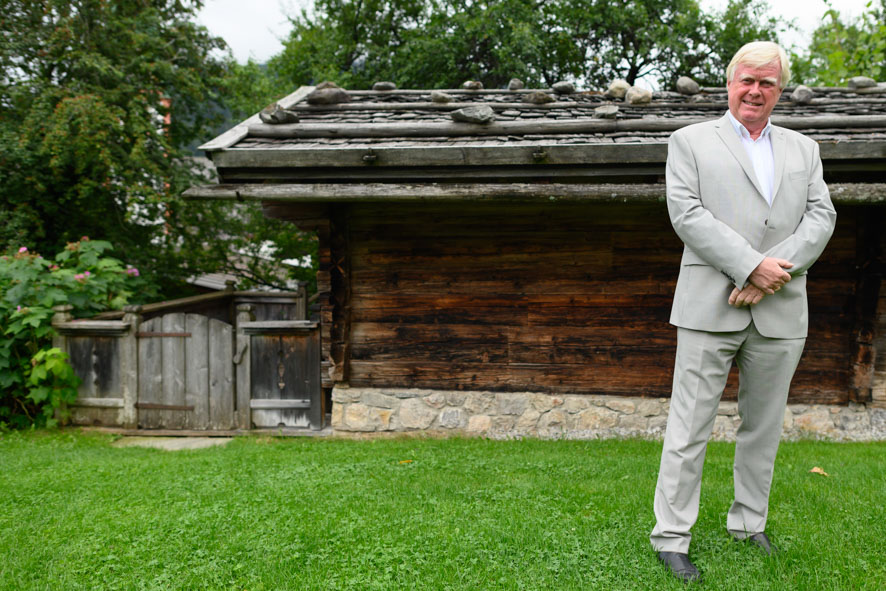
{"type": "Point", "coordinates": [733, 142]}
{"type": "Point", "coordinates": [779, 142]}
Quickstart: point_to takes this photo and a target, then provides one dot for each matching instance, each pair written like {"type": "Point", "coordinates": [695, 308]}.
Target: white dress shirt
{"type": "Point", "coordinates": [759, 151]}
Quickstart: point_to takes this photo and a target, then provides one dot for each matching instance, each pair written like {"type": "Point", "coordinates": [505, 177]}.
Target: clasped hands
{"type": "Point", "coordinates": [766, 279]}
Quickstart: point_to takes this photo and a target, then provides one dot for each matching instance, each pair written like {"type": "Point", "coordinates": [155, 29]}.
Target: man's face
{"type": "Point", "coordinates": [753, 93]}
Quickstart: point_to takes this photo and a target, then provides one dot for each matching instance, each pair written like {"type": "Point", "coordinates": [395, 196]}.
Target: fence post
{"type": "Point", "coordinates": [129, 366]}
{"type": "Point", "coordinates": [243, 364]}
{"type": "Point", "coordinates": [62, 315]}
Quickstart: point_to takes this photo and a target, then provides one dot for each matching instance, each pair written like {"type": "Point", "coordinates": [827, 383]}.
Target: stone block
{"type": "Point", "coordinates": [452, 418]}
{"type": "Point", "coordinates": [528, 421]}
{"type": "Point", "coordinates": [688, 86]}
{"type": "Point", "coordinates": [415, 414]}
{"type": "Point", "coordinates": [480, 115]}
{"type": "Point", "coordinates": [638, 96]}
{"type": "Point", "coordinates": [802, 95]}
{"type": "Point", "coordinates": [855, 424]}
{"type": "Point", "coordinates": [553, 423]}
{"type": "Point", "coordinates": [380, 418]}
{"type": "Point", "coordinates": [617, 89]}
{"type": "Point", "coordinates": [728, 409]}
{"type": "Point", "coordinates": [816, 421]}
{"type": "Point", "coordinates": [621, 405]}
{"type": "Point", "coordinates": [537, 97]}
{"type": "Point", "coordinates": [379, 400]}
{"type": "Point", "coordinates": [472, 85]}
{"type": "Point", "coordinates": [515, 84]}
{"type": "Point", "coordinates": [857, 82]}
{"type": "Point", "coordinates": [479, 424]}
{"type": "Point", "coordinates": [649, 408]}
{"type": "Point", "coordinates": [435, 400]}
{"type": "Point", "coordinates": [574, 404]}
{"type": "Point", "coordinates": [563, 87]}
{"type": "Point", "coordinates": [658, 424]}
{"type": "Point", "coordinates": [724, 428]}
{"type": "Point", "coordinates": [356, 418]}
{"type": "Point", "coordinates": [634, 423]}
{"type": "Point", "coordinates": [455, 398]}
{"type": "Point", "coordinates": [346, 394]}
{"type": "Point", "coordinates": [606, 112]}
{"type": "Point", "coordinates": [337, 415]}
{"type": "Point", "coordinates": [478, 402]}
{"type": "Point", "coordinates": [597, 418]}
{"type": "Point", "coordinates": [788, 421]}
{"type": "Point", "coordinates": [384, 86]}
{"type": "Point", "coordinates": [511, 404]}
{"type": "Point", "coordinates": [438, 96]}
{"type": "Point", "coordinates": [542, 402]}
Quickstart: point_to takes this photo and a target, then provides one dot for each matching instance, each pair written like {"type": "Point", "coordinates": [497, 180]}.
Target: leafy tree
{"type": "Point", "coordinates": [841, 49]}
{"type": "Point", "coordinates": [441, 43]}
{"type": "Point", "coordinates": [97, 101]}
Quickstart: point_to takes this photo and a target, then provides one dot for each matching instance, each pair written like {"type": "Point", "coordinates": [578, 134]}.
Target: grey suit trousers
{"type": "Point", "coordinates": [703, 360]}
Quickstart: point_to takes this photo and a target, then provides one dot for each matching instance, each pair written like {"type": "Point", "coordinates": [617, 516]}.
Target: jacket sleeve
{"type": "Point", "coordinates": [713, 240]}
{"type": "Point", "coordinates": [808, 241]}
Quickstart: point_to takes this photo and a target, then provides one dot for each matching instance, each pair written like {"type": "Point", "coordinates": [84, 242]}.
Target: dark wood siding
{"type": "Point", "coordinates": [564, 298]}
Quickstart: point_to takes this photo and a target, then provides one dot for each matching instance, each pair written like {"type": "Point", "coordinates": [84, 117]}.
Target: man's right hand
{"type": "Point", "coordinates": [770, 275]}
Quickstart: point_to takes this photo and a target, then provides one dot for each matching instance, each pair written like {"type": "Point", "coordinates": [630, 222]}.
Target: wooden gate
{"type": "Point", "coordinates": [185, 374]}
{"type": "Point", "coordinates": [280, 373]}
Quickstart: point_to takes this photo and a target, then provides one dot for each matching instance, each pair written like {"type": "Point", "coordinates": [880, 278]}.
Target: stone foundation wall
{"type": "Point", "coordinates": [530, 414]}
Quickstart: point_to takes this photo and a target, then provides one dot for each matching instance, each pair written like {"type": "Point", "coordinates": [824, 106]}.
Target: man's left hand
{"type": "Point", "coordinates": [748, 296]}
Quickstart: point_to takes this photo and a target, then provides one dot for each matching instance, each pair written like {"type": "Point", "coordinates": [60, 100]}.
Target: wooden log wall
{"type": "Point", "coordinates": [562, 298]}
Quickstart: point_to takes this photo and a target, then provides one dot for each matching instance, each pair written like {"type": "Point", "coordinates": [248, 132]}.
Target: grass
{"type": "Point", "coordinates": [263, 514]}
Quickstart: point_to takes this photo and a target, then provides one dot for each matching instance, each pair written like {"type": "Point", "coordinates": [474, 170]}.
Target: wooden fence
{"type": "Point", "coordinates": [172, 367]}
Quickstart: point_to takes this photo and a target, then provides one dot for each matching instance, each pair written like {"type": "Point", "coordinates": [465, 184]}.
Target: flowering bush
{"type": "Point", "coordinates": [36, 382]}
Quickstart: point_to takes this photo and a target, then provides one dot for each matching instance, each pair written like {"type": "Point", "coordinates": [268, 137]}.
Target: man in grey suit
{"type": "Point", "coordinates": [750, 205]}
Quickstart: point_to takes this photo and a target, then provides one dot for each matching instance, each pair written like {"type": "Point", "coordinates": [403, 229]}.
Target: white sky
{"type": "Point", "coordinates": [254, 28]}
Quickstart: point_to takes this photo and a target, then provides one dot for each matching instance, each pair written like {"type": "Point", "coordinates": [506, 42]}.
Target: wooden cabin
{"type": "Point", "coordinates": [472, 274]}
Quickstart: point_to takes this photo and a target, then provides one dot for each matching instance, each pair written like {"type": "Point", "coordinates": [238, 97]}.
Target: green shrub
{"type": "Point", "coordinates": [36, 381]}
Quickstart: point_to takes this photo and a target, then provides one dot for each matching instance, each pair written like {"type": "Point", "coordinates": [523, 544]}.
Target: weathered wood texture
{"type": "Point", "coordinates": [185, 382]}
{"type": "Point", "coordinates": [285, 371]}
{"type": "Point", "coordinates": [568, 298]}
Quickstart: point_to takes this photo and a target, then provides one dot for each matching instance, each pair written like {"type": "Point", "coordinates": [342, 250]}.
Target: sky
{"type": "Point", "coordinates": [254, 28]}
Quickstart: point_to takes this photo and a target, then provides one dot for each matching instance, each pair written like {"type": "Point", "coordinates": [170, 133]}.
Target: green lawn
{"type": "Point", "coordinates": [415, 514]}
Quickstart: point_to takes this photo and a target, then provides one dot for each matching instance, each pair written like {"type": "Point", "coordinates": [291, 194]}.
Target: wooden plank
{"type": "Point", "coordinates": [197, 362]}
{"type": "Point", "coordinates": [576, 125]}
{"type": "Point", "coordinates": [173, 369]}
{"type": "Point", "coordinates": [281, 194]}
{"type": "Point", "coordinates": [272, 404]}
{"type": "Point", "coordinates": [221, 376]}
{"type": "Point", "coordinates": [160, 406]}
{"type": "Point", "coordinates": [498, 154]}
{"type": "Point", "coordinates": [129, 368]}
{"type": "Point", "coordinates": [99, 402]}
{"type": "Point", "coordinates": [243, 367]}
{"type": "Point", "coordinates": [150, 376]}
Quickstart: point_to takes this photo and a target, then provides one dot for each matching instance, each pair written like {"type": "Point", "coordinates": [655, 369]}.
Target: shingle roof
{"type": "Point", "coordinates": [404, 136]}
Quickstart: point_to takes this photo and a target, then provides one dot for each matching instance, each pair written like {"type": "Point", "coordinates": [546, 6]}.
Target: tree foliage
{"type": "Point", "coordinates": [36, 382]}
{"type": "Point", "coordinates": [841, 48]}
{"type": "Point", "coordinates": [441, 43]}
{"type": "Point", "coordinates": [100, 105]}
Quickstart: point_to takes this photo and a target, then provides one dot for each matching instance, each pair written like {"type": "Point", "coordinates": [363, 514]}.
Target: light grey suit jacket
{"type": "Point", "coordinates": [719, 212]}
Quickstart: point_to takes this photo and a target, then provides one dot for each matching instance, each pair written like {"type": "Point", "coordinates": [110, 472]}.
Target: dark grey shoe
{"type": "Point", "coordinates": [761, 541]}
{"type": "Point", "coordinates": [680, 566]}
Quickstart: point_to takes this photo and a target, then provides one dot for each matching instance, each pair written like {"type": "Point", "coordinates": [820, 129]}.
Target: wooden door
{"type": "Point", "coordinates": [285, 376]}
{"type": "Point", "coordinates": [186, 373]}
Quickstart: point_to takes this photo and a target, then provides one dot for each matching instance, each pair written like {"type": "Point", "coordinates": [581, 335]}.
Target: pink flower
{"type": "Point", "coordinates": [84, 239]}
{"type": "Point", "coordinates": [80, 277]}
{"type": "Point", "coordinates": [54, 268]}
{"type": "Point", "coordinates": [18, 308]}
{"type": "Point", "coordinates": [86, 274]}
{"type": "Point", "coordinates": [23, 250]}
{"type": "Point", "coordinates": [131, 271]}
